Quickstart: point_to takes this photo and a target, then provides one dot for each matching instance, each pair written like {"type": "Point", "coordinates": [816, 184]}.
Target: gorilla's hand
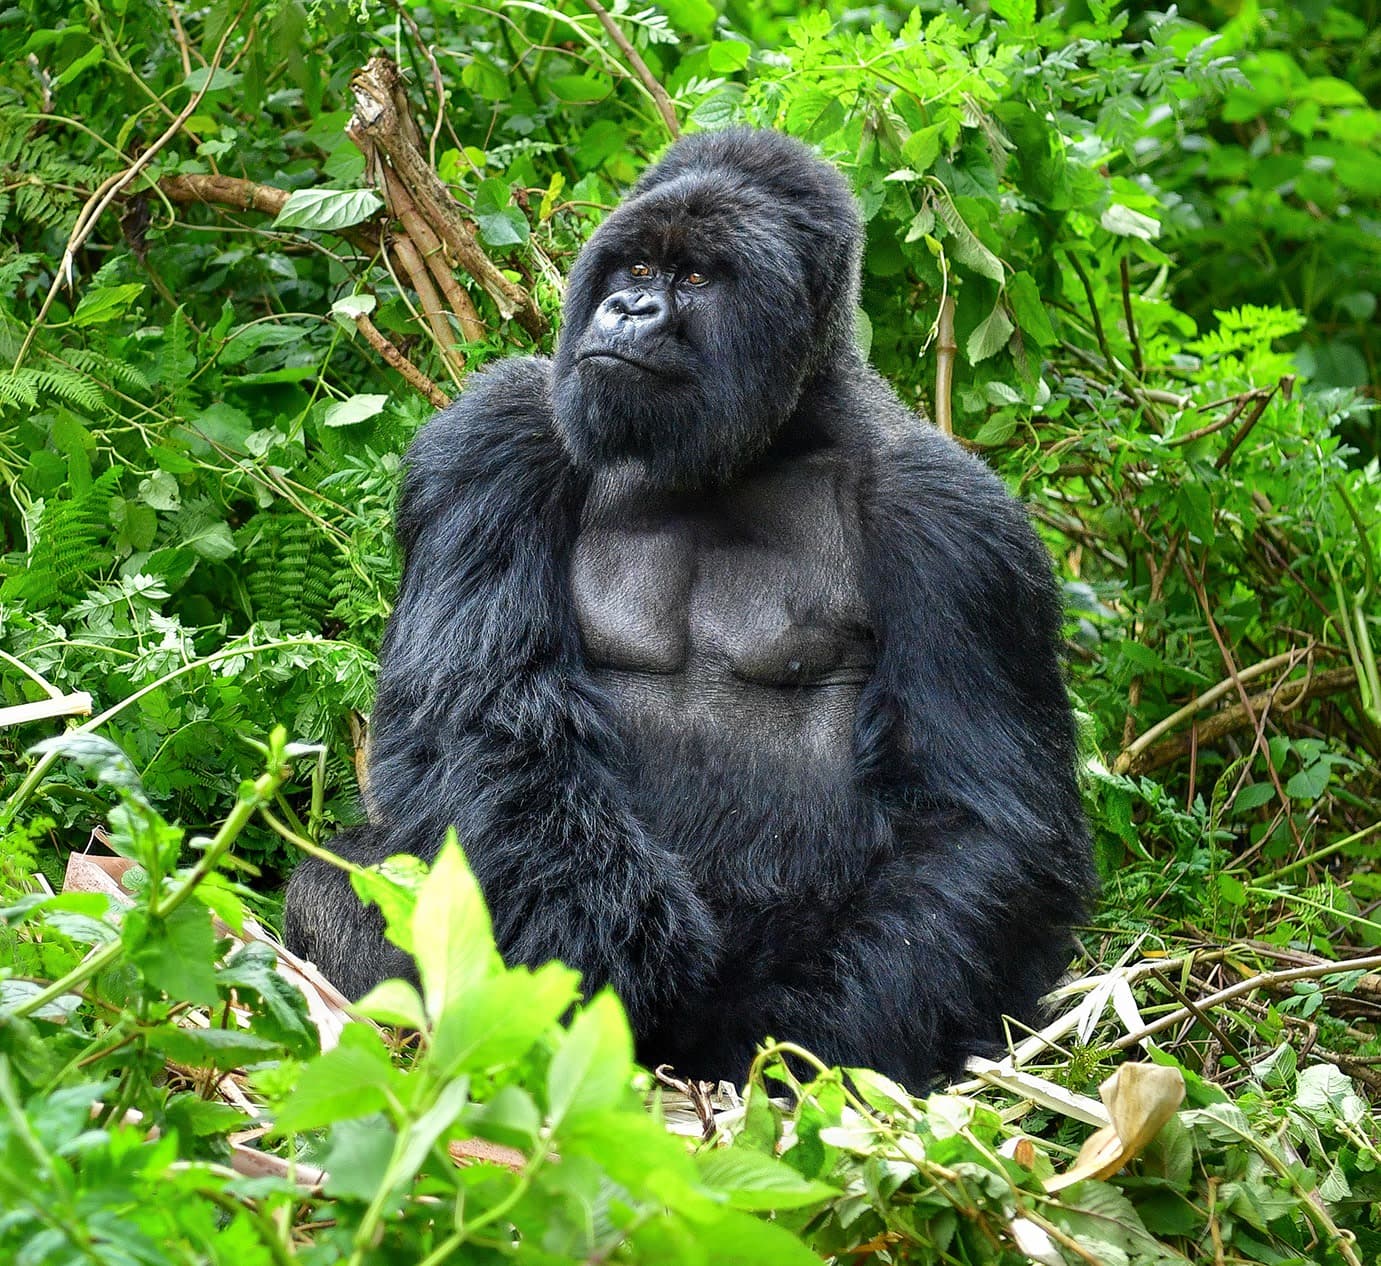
{"type": "Point", "coordinates": [635, 922]}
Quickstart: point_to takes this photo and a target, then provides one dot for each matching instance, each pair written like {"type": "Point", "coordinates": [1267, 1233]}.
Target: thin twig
{"type": "Point", "coordinates": [1127, 758]}
{"type": "Point", "coordinates": [414, 376]}
{"type": "Point", "coordinates": [645, 76]}
{"type": "Point", "coordinates": [1138, 363]}
{"type": "Point", "coordinates": [1266, 980]}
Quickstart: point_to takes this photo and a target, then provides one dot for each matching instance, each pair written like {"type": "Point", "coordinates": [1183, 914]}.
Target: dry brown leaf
{"type": "Point", "coordinates": [1140, 1099]}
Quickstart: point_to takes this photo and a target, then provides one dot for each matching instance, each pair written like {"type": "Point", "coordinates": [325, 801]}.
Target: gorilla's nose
{"type": "Point", "coordinates": [630, 310]}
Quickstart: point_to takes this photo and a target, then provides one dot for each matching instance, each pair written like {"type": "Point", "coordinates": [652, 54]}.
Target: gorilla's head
{"type": "Point", "coordinates": [700, 308]}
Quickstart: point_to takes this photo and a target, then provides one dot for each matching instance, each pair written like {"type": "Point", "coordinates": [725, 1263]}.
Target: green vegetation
{"type": "Point", "coordinates": [219, 327]}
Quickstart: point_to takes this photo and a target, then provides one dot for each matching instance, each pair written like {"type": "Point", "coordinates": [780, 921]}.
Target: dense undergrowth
{"type": "Point", "coordinates": [219, 329]}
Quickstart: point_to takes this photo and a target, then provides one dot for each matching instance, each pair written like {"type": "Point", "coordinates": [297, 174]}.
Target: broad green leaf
{"type": "Point", "coordinates": [394, 1002]}
{"type": "Point", "coordinates": [591, 1068]}
{"type": "Point", "coordinates": [109, 303]}
{"type": "Point", "coordinates": [452, 939]}
{"type": "Point", "coordinates": [282, 1014]}
{"type": "Point", "coordinates": [327, 208]}
{"type": "Point", "coordinates": [358, 1160]}
{"type": "Point", "coordinates": [1030, 312]}
{"type": "Point", "coordinates": [177, 955]}
{"type": "Point", "coordinates": [728, 56]}
{"type": "Point", "coordinates": [221, 1049]}
{"type": "Point", "coordinates": [501, 223]}
{"type": "Point", "coordinates": [989, 336]}
{"type": "Point", "coordinates": [750, 1180]}
{"type": "Point", "coordinates": [500, 1018]}
{"type": "Point", "coordinates": [353, 409]}
{"type": "Point", "coordinates": [580, 89]}
{"type": "Point", "coordinates": [353, 1079]}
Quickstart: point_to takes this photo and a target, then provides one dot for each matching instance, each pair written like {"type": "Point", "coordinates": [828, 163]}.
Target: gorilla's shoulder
{"type": "Point", "coordinates": [499, 398]}
{"type": "Point", "coordinates": [501, 417]}
{"type": "Point", "coordinates": [490, 450]}
{"type": "Point", "coordinates": [928, 490]}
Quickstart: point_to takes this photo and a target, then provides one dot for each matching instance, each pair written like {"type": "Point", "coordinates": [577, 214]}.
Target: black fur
{"type": "Point", "coordinates": [739, 682]}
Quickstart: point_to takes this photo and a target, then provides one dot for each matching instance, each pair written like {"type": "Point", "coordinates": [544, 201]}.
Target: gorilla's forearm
{"type": "Point", "coordinates": [485, 720]}
{"type": "Point", "coordinates": [938, 946]}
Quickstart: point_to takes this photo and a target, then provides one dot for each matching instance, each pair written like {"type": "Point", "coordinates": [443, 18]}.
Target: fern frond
{"type": "Point", "coordinates": [69, 546]}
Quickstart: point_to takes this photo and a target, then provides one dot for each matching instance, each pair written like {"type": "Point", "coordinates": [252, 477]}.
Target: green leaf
{"type": "Point", "coordinates": [176, 955]}
{"type": "Point", "coordinates": [501, 1018]}
{"type": "Point", "coordinates": [728, 56]}
{"type": "Point", "coordinates": [358, 1160]}
{"type": "Point", "coordinates": [989, 336]}
{"type": "Point", "coordinates": [963, 244]}
{"type": "Point", "coordinates": [1030, 312]}
{"type": "Point", "coordinates": [580, 89]}
{"type": "Point", "coordinates": [106, 304]}
{"type": "Point", "coordinates": [394, 1002]}
{"type": "Point", "coordinates": [500, 223]}
{"type": "Point", "coordinates": [353, 409]}
{"type": "Point", "coordinates": [452, 939]}
{"type": "Point", "coordinates": [282, 1014]}
{"type": "Point", "coordinates": [756, 1182]}
{"type": "Point", "coordinates": [327, 208]}
{"type": "Point", "coordinates": [590, 1070]}
{"type": "Point", "coordinates": [922, 147]}
{"type": "Point", "coordinates": [1310, 782]}
{"type": "Point", "coordinates": [212, 80]}
{"type": "Point", "coordinates": [998, 429]}
{"type": "Point", "coordinates": [1254, 796]}
{"type": "Point", "coordinates": [354, 1079]}
{"type": "Point", "coordinates": [221, 1049]}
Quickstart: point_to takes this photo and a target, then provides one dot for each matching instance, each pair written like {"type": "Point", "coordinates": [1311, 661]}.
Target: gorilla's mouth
{"type": "Point", "coordinates": [608, 354]}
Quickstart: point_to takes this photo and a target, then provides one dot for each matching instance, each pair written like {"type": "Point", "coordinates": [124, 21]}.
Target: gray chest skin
{"type": "Point", "coordinates": [732, 614]}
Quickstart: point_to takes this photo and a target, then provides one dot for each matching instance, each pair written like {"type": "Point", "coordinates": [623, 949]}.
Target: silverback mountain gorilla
{"type": "Point", "coordinates": [738, 680]}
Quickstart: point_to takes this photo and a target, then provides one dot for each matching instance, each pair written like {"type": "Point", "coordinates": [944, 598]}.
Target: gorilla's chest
{"type": "Point", "coordinates": [742, 608]}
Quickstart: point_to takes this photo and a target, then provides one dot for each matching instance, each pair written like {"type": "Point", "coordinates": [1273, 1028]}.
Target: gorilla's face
{"type": "Point", "coordinates": [694, 316]}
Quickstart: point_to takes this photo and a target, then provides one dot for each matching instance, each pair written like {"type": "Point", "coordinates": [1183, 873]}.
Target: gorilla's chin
{"type": "Point", "coordinates": [613, 411]}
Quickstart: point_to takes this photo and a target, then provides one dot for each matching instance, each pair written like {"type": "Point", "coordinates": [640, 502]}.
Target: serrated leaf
{"type": "Point", "coordinates": [998, 429]}
{"type": "Point", "coordinates": [176, 954]}
{"type": "Point", "coordinates": [353, 1079]}
{"type": "Point", "coordinates": [963, 244]}
{"type": "Point", "coordinates": [590, 1069]}
{"type": "Point", "coordinates": [221, 1049]}
{"type": "Point", "coordinates": [989, 336]}
{"type": "Point", "coordinates": [327, 208]}
{"type": "Point", "coordinates": [749, 1180]}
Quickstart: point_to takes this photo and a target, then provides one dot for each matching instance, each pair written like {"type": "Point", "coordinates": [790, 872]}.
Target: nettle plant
{"type": "Point", "coordinates": [488, 1114]}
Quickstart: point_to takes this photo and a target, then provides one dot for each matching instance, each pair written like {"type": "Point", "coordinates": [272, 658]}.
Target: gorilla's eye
{"type": "Point", "coordinates": [639, 270]}
{"type": "Point", "coordinates": [694, 278]}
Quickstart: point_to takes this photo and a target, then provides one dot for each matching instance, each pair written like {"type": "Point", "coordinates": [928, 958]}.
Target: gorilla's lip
{"type": "Point", "coordinates": [605, 353]}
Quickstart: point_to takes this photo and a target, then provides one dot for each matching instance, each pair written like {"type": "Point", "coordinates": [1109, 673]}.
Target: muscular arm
{"type": "Point", "coordinates": [966, 743]}
{"type": "Point", "coordinates": [486, 720]}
